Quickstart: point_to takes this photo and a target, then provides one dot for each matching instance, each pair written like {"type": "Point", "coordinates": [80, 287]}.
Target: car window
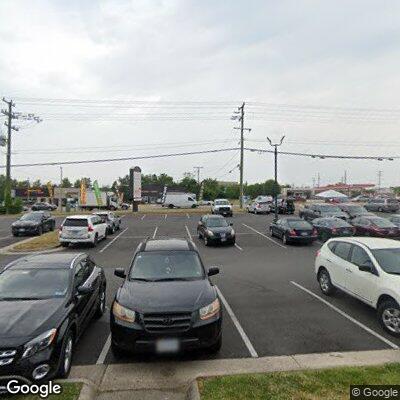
{"type": "Point", "coordinates": [75, 222]}
{"type": "Point", "coordinates": [299, 224]}
{"type": "Point", "coordinates": [82, 272]}
{"type": "Point", "coordinates": [359, 256]}
{"type": "Point", "coordinates": [342, 250]}
{"type": "Point", "coordinates": [332, 246]}
{"type": "Point", "coordinates": [388, 259]}
{"type": "Point", "coordinates": [382, 223]}
{"type": "Point", "coordinates": [166, 265]}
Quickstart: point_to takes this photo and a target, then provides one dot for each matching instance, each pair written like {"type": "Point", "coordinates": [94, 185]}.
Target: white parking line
{"type": "Point", "coordinates": [104, 351]}
{"type": "Point", "coordinates": [144, 216]}
{"type": "Point", "coordinates": [188, 232]}
{"type": "Point", "coordinates": [188, 216]}
{"type": "Point", "coordinates": [339, 311]}
{"type": "Point", "coordinates": [112, 241]}
{"type": "Point", "coordinates": [155, 232]}
{"type": "Point", "coordinates": [266, 237]}
{"type": "Point", "coordinates": [236, 322]}
{"type": "Point", "coordinates": [165, 216]}
{"type": "Point", "coordinates": [238, 247]}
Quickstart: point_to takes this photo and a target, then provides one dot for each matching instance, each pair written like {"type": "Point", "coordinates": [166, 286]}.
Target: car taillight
{"type": "Point", "coordinates": [315, 232]}
{"type": "Point", "coordinates": [292, 232]}
{"type": "Point", "coordinates": [334, 230]}
{"type": "Point", "coordinates": [90, 228]}
{"type": "Point", "coordinates": [318, 253]}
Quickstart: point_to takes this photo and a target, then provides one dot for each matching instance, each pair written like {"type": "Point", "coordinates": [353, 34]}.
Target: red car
{"type": "Point", "coordinates": [375, 226]}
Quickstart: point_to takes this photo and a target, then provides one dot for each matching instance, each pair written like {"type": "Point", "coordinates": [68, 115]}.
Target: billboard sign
{"type": "Point", "coordinates": [136, 183]}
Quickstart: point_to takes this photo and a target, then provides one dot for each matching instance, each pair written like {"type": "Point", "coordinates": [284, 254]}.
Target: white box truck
{"type": "Point", "coordinates": [180, 200]}
{"type": "Point", "coordinates": [109, 201]}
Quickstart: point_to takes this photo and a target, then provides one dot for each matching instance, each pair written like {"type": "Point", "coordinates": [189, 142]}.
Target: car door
{"type": "Point", "coordinates": [276, 228]}
{"type": "Point", "coordinates": [46, 221]}
{"type": "Point", "coordinates": [340, 265]}
{"type": "Point", "coordinates": [364, 284]}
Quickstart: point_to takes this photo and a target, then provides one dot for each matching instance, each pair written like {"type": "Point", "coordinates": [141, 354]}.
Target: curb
{"type": "Point", "coordinates": [88, 391]}
{"type": "Point", "coordinates": [193, 393]}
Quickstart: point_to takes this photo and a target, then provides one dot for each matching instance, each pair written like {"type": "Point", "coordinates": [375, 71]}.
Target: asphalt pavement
{"type": "Point", "coordinates": [272, 302]}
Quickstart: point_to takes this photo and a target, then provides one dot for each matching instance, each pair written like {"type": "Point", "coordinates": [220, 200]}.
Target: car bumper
{"type": "Point", "coordinates": [136, 339]}
{"type": "Point", "coordinates": [225, 213]}
{"type": "Point", "coordinates": [76, 240]}
{"type": "Point", "coordinates": [218, 240]}
{"type": "Point", "coordinates": [24, 231]}
{"type": "Point", "coordinates": [302, 239]}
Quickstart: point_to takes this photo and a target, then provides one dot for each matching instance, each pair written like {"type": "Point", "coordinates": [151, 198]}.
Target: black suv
{"type": "Point", "coordinates": [166, 304]}
{"type": "Point", "coordinates": [46, 302]}
{"type": "Point", "coordinates": [33, 223]}
{"type": "Point", "coordinates": [310, 212]}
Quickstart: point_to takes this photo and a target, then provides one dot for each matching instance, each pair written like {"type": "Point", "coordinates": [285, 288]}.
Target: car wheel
{"type": "Point", "coordinates": [199, 234]}
{"type": "Point", "coordinates": [325, 282]}
{"type": "Point", "coordinates": [95, 240]}
{"type": "Point", "coordinates": [53, 226]}
{"type": "Point", "coordinates": [39, 231]}
{"type": "Point", "coordinates": [380, 209]}
{"type": "Point", "coordinates": [170, 206]}
{"type": "Point", "coordinates": [66, 356]}
{"type": "Point", "coordinates": [16, 234]}
{"type": "Point", "coordinates": [64, 244]}
{"type": "Point", "coordinates": [216, 347]}
{"type": "Point", "coordinates": [101, 306]}
{"type": "Point", "coordinates": [206, 241]}
{"type": "Point", "coordinates": [255, 212]}
{"type": "Point", "coordinates": [389, 317]}
{"type": "Point", "coordinates": [117, 351]}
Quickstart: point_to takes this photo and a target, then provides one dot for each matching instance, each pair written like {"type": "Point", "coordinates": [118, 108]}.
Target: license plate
{"type": "Point", "coordinates": [304, 234]}
{"type": "Point", "coordinates": [22, 229]}
{"type": "Point", "coordinates": [167, 346]}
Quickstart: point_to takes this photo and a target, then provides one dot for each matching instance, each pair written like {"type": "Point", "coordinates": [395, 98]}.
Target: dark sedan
{"type": "Point", "coordinates": [332, 227]}
{"type": "Point", "coordinates": [33, 223]}
{"type": "Point", "coordinates": [46, 301]}
{"type": "Point", "coordinates": [43, 206]}
{"type": "Point", "coordinates": [214, 229]}
{"type": "Point", "coordinates": [292, 230]}
{"type": "Point", "coordinates": [167, 303]}
{"type": "Point", "coordinates": [375, 226]}
{"type": "Point", "coordinates": [354, 210]}
{"type": "Point", "coordinates": [395, 220]}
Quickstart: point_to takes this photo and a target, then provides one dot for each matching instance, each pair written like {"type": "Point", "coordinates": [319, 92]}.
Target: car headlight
{"type": "Point", "coordinates": [39, 343]}
{"type": "Point", "coordinates": [122, 313]}
{"type": "Point", "coordinates": [210, 310]}
{"type": "Point", "coordinates": [210, 233]}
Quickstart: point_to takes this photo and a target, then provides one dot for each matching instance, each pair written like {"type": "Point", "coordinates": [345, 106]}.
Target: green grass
{"type": "Point", "coordinates": [44, 242]}
{"type": "Point", "coordinates": [332, 384]}
{"type": "Point", "coordinates": [70, 391]}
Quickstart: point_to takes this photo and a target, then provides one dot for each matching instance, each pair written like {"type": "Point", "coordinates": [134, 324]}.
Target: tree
{"type": "Point", "coordinates": [37, 184]}
{"type": "Point", "coordinates": [189, 184]}
{"type": "Point", "coordinates": [66, 183]}
{"type": "Point", "coordinates": [88, 182]}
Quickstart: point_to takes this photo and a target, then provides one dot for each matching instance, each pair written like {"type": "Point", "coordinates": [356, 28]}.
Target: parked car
{"type": "Point", "coordinates": [293, 229]}
{"type": "Point", "coordinates": [361, 198]}
{"type": "Point", "coordinates": [375, 226]}
{"type": "Point", "coordinates": [395, 220]}
{"type": "Point", "coordinates": [267, 199]}
{"type": "Point", "coordinates": [33, 223]}
{"type": "Point", "coordinates": [180, 200]}
{"type": "Point", "coordinates": [223, 207]}
{"type": "Point", "coordinates": [125, 206]}
{"type": "Point", "coordinates": [332, 227]}
{"type": "Point", "coordinates": [383, 205]}
{"type": "Point", "coordinates": [112, 220]}
{"type": "Point", "coordinates": [367, 269]}
{"type": "Point", "coordinates": [215, 229]}
{"type": "Point", "coordinates": [43, 206]}
{"type": "Point", "coordinates": [354, 210]}
{"type": "Point", "coordinates": [285, 206]}
{"type": "Point", "coordinates": [82, 229]}
{"type": "Point", "coordinates": [258, 207]}
{"type": "Point", "coordinates": [318, 210]}
{"type": "Point", "coordinates": [167, 303]}
{"type": "Point", "coordinates": [46, 302]}
{"type": "Point", "coordinates": [206, 203]}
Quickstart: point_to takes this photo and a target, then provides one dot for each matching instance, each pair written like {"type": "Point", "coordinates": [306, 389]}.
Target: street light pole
{"type": "Point", "coordinates": [276, 145]}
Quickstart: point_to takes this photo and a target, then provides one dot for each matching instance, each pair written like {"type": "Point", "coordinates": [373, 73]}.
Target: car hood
{"type": "Point", "coordinates": [25, 223]}
{"type": "Point", "coordinates": [225, 229]}
{"type": "Point", "coordinates": [337, 214]}
{"type": "Point", "coordinates": [26, 318]}
{"type": "Point", "coordinates": [172, 296]}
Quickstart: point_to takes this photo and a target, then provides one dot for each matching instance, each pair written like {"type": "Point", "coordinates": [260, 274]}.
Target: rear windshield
{"type": "Point", "coordinates": [388, 259]}
{"type": "Point", "coordinates": [356, 209]}
{"type": "Point", "coordinates": [299, 224]}
{"type": "Point", "coordinates": [329, 208]}
{"type": "Point", "coordinates": [103, 217]}
{"type": "Point", "coordinates": [75, 222]}
{"type": "Point", "coordinates": [382, 222]}
{"type": "Point", "coordinates": [166, 266]}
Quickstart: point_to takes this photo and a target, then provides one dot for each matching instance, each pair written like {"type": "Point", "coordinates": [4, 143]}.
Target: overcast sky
{"type": "Point", "coordinates": [342, 53]}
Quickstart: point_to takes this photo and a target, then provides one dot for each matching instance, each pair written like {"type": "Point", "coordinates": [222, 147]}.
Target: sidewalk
{"type": "Point", "coordinates": [171, 380]}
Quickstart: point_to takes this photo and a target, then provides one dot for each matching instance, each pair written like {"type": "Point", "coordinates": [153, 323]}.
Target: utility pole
{"type": "Point", "coordinates": [61, 188]}
{"type": "Point", "coordinates": [379, 179]}
{"type": "Point", "coordinates": [318, 180]}
{"type": "Point", "coordinates": [198, 174]}
{"type": "Point", "coordinates": [240, 115]}
{"type": "Point", "coordinates": [275, 146]}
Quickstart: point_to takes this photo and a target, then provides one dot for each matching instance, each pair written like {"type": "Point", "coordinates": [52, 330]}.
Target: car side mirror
{"type": "Point", "coordinates": [231, 224]}
{"type": "Point", "coordinates": [120, 272]}
{"type": "Point", "coordinates": [84, 290]}
{"type": "Point", "coordinates": [213, 271]}
{"type": "Point", "coordinates": [366, 267]}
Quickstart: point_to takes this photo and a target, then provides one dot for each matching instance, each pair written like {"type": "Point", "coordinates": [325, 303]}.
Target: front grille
{"type": "Point", "coordinates": [224, 209]}
{"type": "Point", "coordinates": [7, 356]}
{"type": "Point", "coordinates": [160, 323]}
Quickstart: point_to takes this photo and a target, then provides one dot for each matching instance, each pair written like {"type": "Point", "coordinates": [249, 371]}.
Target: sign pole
{"type": "Point", "coordinates": [135, 175]}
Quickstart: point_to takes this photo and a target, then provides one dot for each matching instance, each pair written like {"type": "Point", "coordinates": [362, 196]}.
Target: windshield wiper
{"type": "Point", "coordinates": [21, 298]}
{"type": "Point", "coordinates": [141, 279]}
{"type": "Point", "coordinates": [172, 279]}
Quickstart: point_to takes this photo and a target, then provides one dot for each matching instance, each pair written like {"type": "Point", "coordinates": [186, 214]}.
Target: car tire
{"type": "Point", "coordinates": [101, 306]}
{"type": "Point", "coordinates": [389, 317]}
{"type": "Point", "coordinates": [325, 283]}
{"type": "Point", "coordinates": [170, 206]}
{"type": "Point", "coordinates": [216, 347]}
{"type": "Point", "coordinates": [39, 231]}
{"type": "Point", "coordinates": [53, 226]}
{"type": "Point", "coordinates": [255, 212]}
{"type": "Point", "coordinates": [95, 241]}
{"type": "Point", "coordinates": [16, 234]}
{"type": "Point", "coordinates": [66, 356]}
{"type": "Point", "coordinates": [117, 351]}
{"type": "Point", "coordinates": [65, 244]}
{"type": "Point", "coordinates": [199, 234]}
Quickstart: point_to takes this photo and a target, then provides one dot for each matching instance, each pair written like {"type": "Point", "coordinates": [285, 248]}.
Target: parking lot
{"type": "Point", "coordinates": [272, 302]}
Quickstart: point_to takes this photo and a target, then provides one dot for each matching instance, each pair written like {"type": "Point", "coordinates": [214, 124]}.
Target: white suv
{"type": "Point", "coordinates": [365, 268]}
{"type": "Point", "coordinates": [82, 229]}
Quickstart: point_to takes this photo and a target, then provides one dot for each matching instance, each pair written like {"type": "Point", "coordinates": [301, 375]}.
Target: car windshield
{"type": "Point", "coordinates": [221, 202]}
{"type": "Point", "coordinates": [329, 208]}
{"type": "Point", "coordinates": [31, 217]}
{"type": "Point", "coordinates": [166, 265]}
{"type": "Point", "coordinates": [216, 223]}
{"type": "Point", "coordinates": [299, 224]}
{"type": "Point", "coordinates": [381, 222]}
{"type": "Point", "coordinates": [337, 223]}
{"type": "Point", "coordinates": [75, 222]}
{"type": "Point", "coordinates": [356, 209]}
{"type": "Point", "coordinates": [388, 259]}
{"type": "Point", "coordinates": [35, 283]}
